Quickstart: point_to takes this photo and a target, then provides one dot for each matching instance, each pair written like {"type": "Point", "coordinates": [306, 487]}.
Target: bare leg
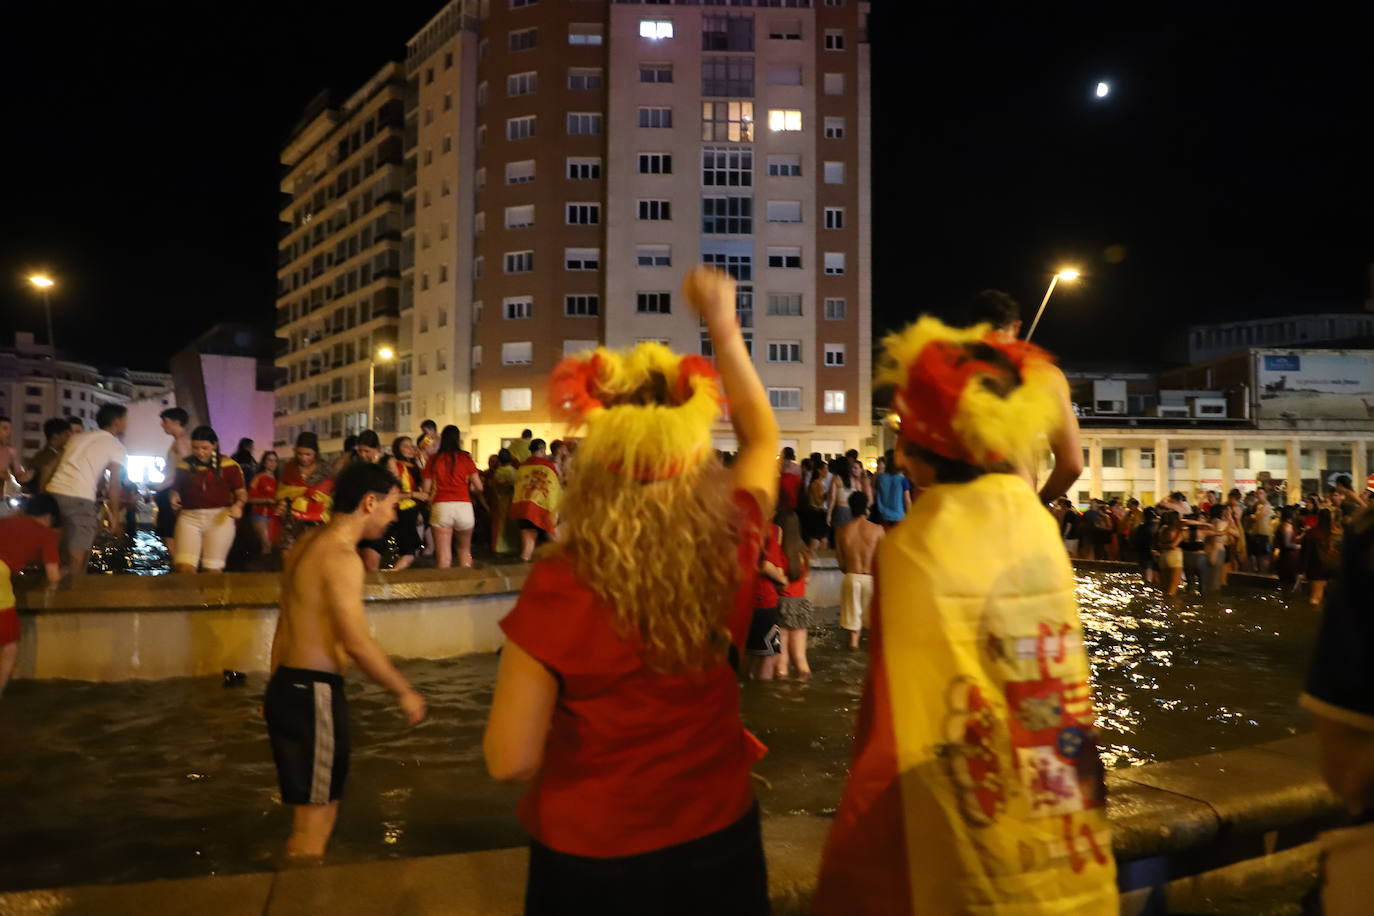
{"type": "Point", "coordinates": [311, 826]}
{"type": "Point", "coordinates": [443, 547]}
{"type": "Point", "coordinates": [371, 558]}
{"type": "Point", "coordinates": [184, 568]}
{"type": "Point", "coordinates": [528, 538]}
{"type": "Point", "coordinates": [798, 649]}
{"type": "Point", "coordinates": [77, 561]}
{"type": "Point", "coordinates": [464, 548]}
{"type": "Point", "coordinates": [1175, 575]}
{"type": "Point", "coordinates": [8, 656]}
{"type": "Point", "coordinates": [264, 529]}
{"type": "Point", "coordinates": [782, 665]}
{"type": "Point", "coordinates": [1318, 587]}
{"type": "Point", "coordinates": [404, 561]}
{"type": "Point", "coordinates": [854, 639]}
{"type": "Point", "coordinates": [765, 668]}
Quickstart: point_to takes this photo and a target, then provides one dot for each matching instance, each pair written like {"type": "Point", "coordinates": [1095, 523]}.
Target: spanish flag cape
{"type": "Point", "coordinates": [310, 498]}
{"type": "Point", "coordinates": [537, 493]}
{"type": "Point", "coordinates": [975, 785]}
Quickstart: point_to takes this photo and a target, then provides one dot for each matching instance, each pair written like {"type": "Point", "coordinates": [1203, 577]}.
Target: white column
{"type": "Point", "coordinates": [1095, 468]}
{"type": "Point", "coordinates": [1161, 470]}
{"type": "Point", "coordinates": [1359, 465]}
{"type": "Point", "coordinates": [1294, 472]}
{"type": "Point", "coordinates": [1194, 453]}
{"type": "Point", "coordinates": [1228, 465]}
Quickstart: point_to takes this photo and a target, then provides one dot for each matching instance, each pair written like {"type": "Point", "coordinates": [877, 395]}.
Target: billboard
{"type": "Point", "coordinates": [1309, 384]}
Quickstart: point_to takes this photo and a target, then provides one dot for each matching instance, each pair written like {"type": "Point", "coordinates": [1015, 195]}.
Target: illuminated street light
{"type": "Point", "coordinates": [1068, 275]}
{"type": "Point", "coordinates": [382, 355]}
{"type": "Point", "coordinates": [44, 284]}
{"type": "Point", "coordinates": [1103, 88]}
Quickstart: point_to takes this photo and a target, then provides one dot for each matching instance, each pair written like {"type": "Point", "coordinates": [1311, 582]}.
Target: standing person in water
{"type": "Point", "coordinates": [617, 696]}
{"type": "Point", "coordinates": [856, 544]}
{"type": "Point", "coordinates": [404, 465]}
{"type": "Point", "coordinates": [304, 489]}
{"type": "Point", "coordinates": [795, 614]}
{"type": "Point", "coordinates": [174, 420]}
{"type": "Point", "coordinates": [505, 536]}
{"type": "Point", "coordinates": [534, 506]}
{"type": "Point", "coordinates": [208, 494]}
{"type": "Point", "coordinates": [77, 482]}
{"type": "Point", "coordinates": [975, 785]}
{"type": "Point", "coordinates": [24, 540]}
{"type": "Point", "coordinates": [262, 498]}
{"type": "Point", "coordinates": [451, 480]}
{"type": "Point", "coordinates": [321, 626]}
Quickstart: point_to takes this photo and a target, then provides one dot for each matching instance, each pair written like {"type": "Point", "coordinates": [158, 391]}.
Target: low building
{"type": "Point", "coordinates": [225, 379]}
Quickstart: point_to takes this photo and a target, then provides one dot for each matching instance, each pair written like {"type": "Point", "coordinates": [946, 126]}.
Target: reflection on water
{"type": "Point", "coordinates": [143, 780]}
{"type": "Point", "coordinates": [141, 554]}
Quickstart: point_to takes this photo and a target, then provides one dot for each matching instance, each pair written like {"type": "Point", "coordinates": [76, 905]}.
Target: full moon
{"type": "Point", "coordinates": [1103, 88]}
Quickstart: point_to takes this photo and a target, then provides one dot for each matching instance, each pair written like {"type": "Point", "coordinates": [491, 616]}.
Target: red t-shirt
{"type": "Point", "coordinates": [201, 488]}
{"type": "Point", "coordinates": [450, 474]}
{"type": "Point", "coordinates": [24, 540]}
{"type": "Point", "coordinates": [789, 488]}
{"type": "Point", "coordinates": [797, 589]}
{"type": "Point", "coordinates": [636, 760]}
{"type": "Point", "coordinates": [765, 589]}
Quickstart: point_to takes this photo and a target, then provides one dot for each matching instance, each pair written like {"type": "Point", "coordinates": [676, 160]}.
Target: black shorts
{"type": "Point", "coordinates": [166, 525]}
{"type": "Point", "coordinates": [307, 722]}
{"type": "Point", "coordinates": [723, 874]}
{"type": "Point", "coordinates": [764, 636]}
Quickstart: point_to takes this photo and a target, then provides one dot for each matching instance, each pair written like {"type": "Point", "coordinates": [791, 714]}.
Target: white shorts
{"type": "Point", "coordinates": [455, 515]}
{"type": "Point", "coordinates": [856, 594]}
{"type": "Point", "coordinates": [203, 538]}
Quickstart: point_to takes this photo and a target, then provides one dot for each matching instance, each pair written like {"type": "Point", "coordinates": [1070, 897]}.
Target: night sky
{"type": "Point", "coordinates": [1227, 175]}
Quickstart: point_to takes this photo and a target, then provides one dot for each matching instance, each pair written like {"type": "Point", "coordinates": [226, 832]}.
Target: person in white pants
{"type": "Point", "coordinates": [209, 493]}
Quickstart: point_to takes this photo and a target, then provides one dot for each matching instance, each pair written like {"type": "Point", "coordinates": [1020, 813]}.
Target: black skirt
{"type": "Point", "coordinates": [720, 874]}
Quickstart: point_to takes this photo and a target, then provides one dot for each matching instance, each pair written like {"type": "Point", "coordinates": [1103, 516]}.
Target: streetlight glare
{"type": "Point", "coordinates": [1068, 275]}
{"type": "Point", "coordinates": [1102, 89]}
{"type": "Point", "coordinates": [41, 281]}
{"type": "Point", "coordinates": [385, 353]}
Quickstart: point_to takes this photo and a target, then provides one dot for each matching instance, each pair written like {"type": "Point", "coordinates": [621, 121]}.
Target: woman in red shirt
{"type": "Point", "coordinates": [795, 614]}
{"type": "Point", "coordinates": [262, 496]}
{"type": "Point", "coordinates": [208, 494]}
{"type": "Point", "coordinates": [617, 697]}
{"type": "Point", "coordinates": [451, 478]}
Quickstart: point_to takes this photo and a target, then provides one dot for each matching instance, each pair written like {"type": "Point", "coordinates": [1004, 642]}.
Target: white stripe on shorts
{"type": "Point", "coordinates": [323, 773]}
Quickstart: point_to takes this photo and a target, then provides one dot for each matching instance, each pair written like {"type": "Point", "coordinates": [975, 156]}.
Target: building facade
{"type": "Point", "coordinates": [1211, 341]}
{"type": "Point", "coordinates": [339, 264]}
{"type": "Point", "coordinates": [564, 165]}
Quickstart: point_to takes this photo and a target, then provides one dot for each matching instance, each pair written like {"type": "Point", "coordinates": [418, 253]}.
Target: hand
{"type": "Point", "coordinates": [236, 510]}
{"type": "Point", "coordinates": [175, 501]}
{"type": "Point", "coordinates": [413, 706]}
{"type": "Point", "coordinates": [711, 293]}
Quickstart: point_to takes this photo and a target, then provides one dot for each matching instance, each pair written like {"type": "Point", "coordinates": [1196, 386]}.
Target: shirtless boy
{"type": "Point", "coordinates": [855, 545]}
{"type": "Point", "coordinates": [320, 627]}
{"type": "Point", "coordinates": [174, 420]}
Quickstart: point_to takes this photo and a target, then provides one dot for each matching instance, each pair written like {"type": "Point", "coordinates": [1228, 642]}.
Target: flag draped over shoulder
{"type": "Point", "coordinates": [537, 493]}
{"type": "Point", "coordinates": [975, 787]}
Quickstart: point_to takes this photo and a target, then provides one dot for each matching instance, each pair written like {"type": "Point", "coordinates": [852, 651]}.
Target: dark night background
{"type": "Point", "coordinates": [1230, 163]}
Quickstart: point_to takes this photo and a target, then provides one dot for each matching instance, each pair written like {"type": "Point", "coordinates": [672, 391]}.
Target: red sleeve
{"type": "Point", "coordinates": [559, 621]}
{"type": "Point", "coordinates": [233, 478]}
{"type": "Point", "coordinates": [47, 545]}
{"type": "Point", "coordinates": [751, 530]}
{"type": "Point", "coordinates": [427, 472]}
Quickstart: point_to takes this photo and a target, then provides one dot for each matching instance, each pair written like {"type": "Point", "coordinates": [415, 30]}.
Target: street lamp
{"type": "Point", "coordinates": [382, 355]}
{"type": "Point", "coordinates": [44, 284]}
{"type": "Point", "coordinates": [1068, 275]}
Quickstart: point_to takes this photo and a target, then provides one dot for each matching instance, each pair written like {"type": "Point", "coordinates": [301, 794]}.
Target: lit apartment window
{"type": "Point", "coordinates": [653, 256]}
{"type": "Point", "coordinates": [834, 173]}
{"type": "Point", "coordinates": [784, 76]}
{"type": "Point", "coordinates": [582, 78]}
{"type": "Point", "coordinates": [834, 401]}
{"type": "Point", "coordinates": [585, 33]}
{"type": "Point", "coordinates": [582, 258]}
{"type": "Point", "coordinates": [655, 73]}
{"type": "Point", "coordinates": [834, 39]}
{"type": "Point", "coordinates": [584, 214]}
{"type": "Point", "coordinates": [522, 83]}
{"type": "Point", "coordinates": [785, 30]}
{"type": "Point", "coordinates": [656, 29]}
{"type": "Point", "coordinates": [520, 172]}
{"type": "Point", "coordinates": [834, 128]}
{"type": "Point", "coordinates": [475, 402]}
{"type": "Point", "coordinates": [520, 217]}
{"type": "Point", "coordinates": [784, 211]}
{"type": "Point", "coordinates": [787, 165]}
{"type": "Point", "coordinates": [655, 164]}
{"type": "Point", "coordinates": [784, 398]}
{"type": "Point", "coordinates": [515, 399]}
{"type": "Point", "coordinates": [517, 353]}
{"type": "Point", "coordinates": [655, 117]}
{"type": "Point", "coordinates": [834, 354]}
{"type": "Point", "coordinates": [788, 305]}
{"type": "Point", "coordinates": [834, 84]}
{"type": "Point", "coordinates": [727, 167]}
{"type": "Point", "coordinates": [580, 167]}
{"type": "Point", "coordinates": [834, 262]}
{"type": "Point", "coordinates": [580, 305]}
{"type": "Point", "coordinates": [784, 119]}
{"type": "Point", "coordinates": [784, 257]}
{"type": "Point", "coordinates": [729, 122]}
{"type": "Point", "coordinates": [523, 39]}
{"type": "Point", "coordinates": [576, 347]}
{"type": "Point", "coordinates": [513, 307]}
{"type": "Point", "coordinates": [784, 351]}
{"type": "Point", "coordinates": [727, 215]}
{"type": "Point", "coordinates": [584, 122]}
{"type": "Point", "coordinates": [519, 262]}
{"type": "Point", "coordinates": [654, 210]}
{"type": "Point", "coordinates": [834, 217]}
{"type": "Point", "coordinates": [653, 303]}
{"type": "Point", "coordinates": [520, 128]}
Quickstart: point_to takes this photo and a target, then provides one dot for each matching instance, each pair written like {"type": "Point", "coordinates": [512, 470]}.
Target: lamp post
{"type": "Point", "coordinates": [45, 284]}
{"type": "Point", "coordinates": [385, 355]}
{"type": "Point", "coordinates": [1068, 275]}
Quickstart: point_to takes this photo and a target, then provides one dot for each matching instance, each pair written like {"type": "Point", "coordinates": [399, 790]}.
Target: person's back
{"type": "Point", "coordinates": [856, 544]}
{"type": "Point", "coordinates": [889, 492]}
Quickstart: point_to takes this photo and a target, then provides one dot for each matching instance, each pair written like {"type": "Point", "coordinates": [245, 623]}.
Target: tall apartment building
{"type": "Point", "coordinates": [567, 161]}
{"type": "Point", "coordinates": [339, 263]}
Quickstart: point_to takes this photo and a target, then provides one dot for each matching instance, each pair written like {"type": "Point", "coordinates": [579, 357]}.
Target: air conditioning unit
{"type": "Point", "coordinates": [1170, 410]}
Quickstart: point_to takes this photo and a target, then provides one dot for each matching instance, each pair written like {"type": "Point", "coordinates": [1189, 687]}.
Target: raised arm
{"type": "Point", "coordinates": [711, 293]}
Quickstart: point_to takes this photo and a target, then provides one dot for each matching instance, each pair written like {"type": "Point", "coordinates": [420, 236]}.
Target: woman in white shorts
{"type": "Point", "coordinates": [451, 479]}
{"type": "Point", "coordinates": [209, 493]}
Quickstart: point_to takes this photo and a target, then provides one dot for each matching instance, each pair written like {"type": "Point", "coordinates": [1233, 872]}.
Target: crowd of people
{"type": "Point", "coordinates": [1183, 546]}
